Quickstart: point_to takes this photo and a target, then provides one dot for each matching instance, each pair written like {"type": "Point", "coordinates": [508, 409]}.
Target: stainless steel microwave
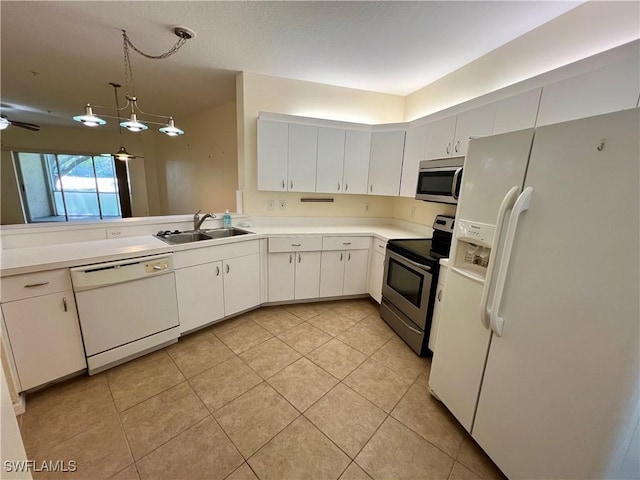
{"type": "Point", "coordinates": [439, 180]}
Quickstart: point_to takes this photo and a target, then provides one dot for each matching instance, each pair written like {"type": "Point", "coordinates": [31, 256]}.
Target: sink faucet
{"type": "Point", "coordinates": [197, 221]}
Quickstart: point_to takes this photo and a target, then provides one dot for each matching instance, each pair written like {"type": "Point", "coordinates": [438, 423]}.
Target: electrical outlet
{"type": "Point", "coordinates": [366, 206]}
{"type": "Point", "coordinates": [282, 204]}
{"type": "Point", "coordinates": [271, 204]}
{"type": "Point", "coordinates": [413, 211]}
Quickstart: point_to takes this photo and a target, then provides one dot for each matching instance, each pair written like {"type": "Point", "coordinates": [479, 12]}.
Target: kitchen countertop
{"type": "Point", "coordinates": [16, 261]}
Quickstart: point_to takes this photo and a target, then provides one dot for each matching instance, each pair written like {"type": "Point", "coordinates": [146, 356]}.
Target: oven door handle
{"type": "Point", "coordinates": [454, 194]}
{"type": "Point", "coordinates": [426, 268]}
{"type": "Point", "coordinates": [506, 204]}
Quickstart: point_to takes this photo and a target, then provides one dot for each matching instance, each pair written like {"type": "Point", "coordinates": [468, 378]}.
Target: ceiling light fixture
{"type": "Point", "coordinates": [133, 124]}
{"type": "Point", "coordinates": [122, 153]}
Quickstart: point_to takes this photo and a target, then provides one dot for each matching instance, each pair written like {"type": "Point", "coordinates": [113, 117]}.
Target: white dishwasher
{"type": "Point", "coordinates": [126, 308]}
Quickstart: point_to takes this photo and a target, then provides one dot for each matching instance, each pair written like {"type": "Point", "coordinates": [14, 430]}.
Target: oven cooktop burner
{"type": "Point", "coordinates": [417, 249]}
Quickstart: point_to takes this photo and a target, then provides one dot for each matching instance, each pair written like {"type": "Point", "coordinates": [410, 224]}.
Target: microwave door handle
{"type": "Point", "coordinates": [521, 205]}
{"type": "Point", "coordinates": [454, 194]}
{"type": "Point", "coordinates": [506, 204]}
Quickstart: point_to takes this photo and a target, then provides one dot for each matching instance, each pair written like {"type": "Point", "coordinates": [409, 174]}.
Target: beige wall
{"type": "Point", "coordinates": [198, 170]}
{"type": "Point", "coordinates": [77, 140]}
{"type": "Point", "coordinates": [588, 29]}
{"type": "Point", "coordinates": [10, 204]}
{"type": "Point", "coordinates": [256, 93]}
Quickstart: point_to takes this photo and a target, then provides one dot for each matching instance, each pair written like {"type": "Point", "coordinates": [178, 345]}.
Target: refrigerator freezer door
{"type": "Point", "coordinates": [493, 166]}
{"type": "Point", "coordinates": [559, 398]}
{"type": "Point", "coordinates": [456, 371]}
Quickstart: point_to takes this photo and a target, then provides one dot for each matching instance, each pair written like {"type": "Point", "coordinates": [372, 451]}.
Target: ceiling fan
{"type": "Point", "coordinates": [5, 122]}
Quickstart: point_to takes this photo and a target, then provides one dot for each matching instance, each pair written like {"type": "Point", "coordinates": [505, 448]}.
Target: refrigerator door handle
{"type": "Point", "coordinates": [507, 203]}
{"type": "Point", "coordinates": [521, 205]}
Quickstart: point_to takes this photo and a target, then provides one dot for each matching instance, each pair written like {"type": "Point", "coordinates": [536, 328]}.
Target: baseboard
{"type": "Point", "coordinates": [20, 406]}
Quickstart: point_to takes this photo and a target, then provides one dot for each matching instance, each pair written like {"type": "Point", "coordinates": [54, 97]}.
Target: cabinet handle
{"type": "Point", "coordinates": [341, 256]}
{"type": "Point", "coordinates": [346, 187]}
{"type": "Point", "coordinates": [346, 243]}
{"type": "Point", "coordinates": [299, 258]}
{"type": "Point", "coordinates": [290, 258]}
{"type": "Point", "coordinates": [448, 148]}
{"type": "Point", "coordinates": [380, 246]}
{"type": "Point", "coordinates": [283, 184]}
{"type": "Point", "coordinates": [439, 295]}
{"type": "Point", "coordinates": [64, 304]}
{"type": "Point", "coordinates": [33, 285]}
{"type": "Point", "coordinates": [291, 183]}
{"type": "Point", "coordinates": [349, 257]}
{"type": "Point", "coordinates": [227, 268]}
{"type": "Point", "coordinates": [217, 271]}
{"type": "Point", "coordinates": [338, 186]}
{"type": "Point", "coordinates": [457, 145]}
{"type": "Point", "coordinates": [371, 188]}
{"type": "Point", "coordinates": [296, 244]}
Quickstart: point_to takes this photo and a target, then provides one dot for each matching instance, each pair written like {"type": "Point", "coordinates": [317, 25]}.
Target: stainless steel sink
{"type": "Point", "coordinates": [176, 238]}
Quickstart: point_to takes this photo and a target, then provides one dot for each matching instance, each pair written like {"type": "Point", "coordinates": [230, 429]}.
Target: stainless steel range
{"type": "Point", "coordinates": [410, 279]}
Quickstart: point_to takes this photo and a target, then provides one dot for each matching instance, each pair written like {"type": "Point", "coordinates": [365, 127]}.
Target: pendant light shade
{"type": "Point", "coordinates": [171, 129]}
{"type": "Point", "coordinates": [133, 125]}
{"type": "Point", "coordinates": [89, 119]}
{"type": "Point", "coordinates": [122, 155]}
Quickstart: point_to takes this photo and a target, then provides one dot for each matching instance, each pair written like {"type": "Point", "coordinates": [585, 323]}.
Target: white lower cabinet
{"type": "Point", "coordinates": [216, 282]}
{"type": "Point", "coordinates": [376, 269]}
{"type": "Point", "coordinates": [45, 338]}
{"type": "Point", "coordinates": [241, 283]}
{"type": "Point", "coordinates": [343, 272]}
{"type": "Point", "coordinates": [200, 295]}
{"type": "Point", "coordinates": [435, 319]}
{"type": "Point", "coordinates": [294, 276]}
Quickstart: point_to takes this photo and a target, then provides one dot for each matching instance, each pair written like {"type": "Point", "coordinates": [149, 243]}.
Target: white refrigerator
{"type": "Point", "coordinates": [537, 352]}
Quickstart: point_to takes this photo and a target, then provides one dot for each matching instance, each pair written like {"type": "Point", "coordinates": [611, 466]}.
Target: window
{"type": "Point", "coordinates": [68, 187]}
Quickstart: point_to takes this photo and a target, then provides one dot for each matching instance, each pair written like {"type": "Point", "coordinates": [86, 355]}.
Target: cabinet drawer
{"type": "Point", "coordinates": [380, 246]}
{"type": "Point", "coordinates": [346, 243]}
{"type": "Point", "coordinates": [34, 284]}
{"type": "Point", "coordinates": [295, 244]}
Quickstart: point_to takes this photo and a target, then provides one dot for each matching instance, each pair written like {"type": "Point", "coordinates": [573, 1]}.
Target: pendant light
{"type": "Point", "coordinates": [122, 153]}
{"type": "Point", "coordinates": [136, 121]}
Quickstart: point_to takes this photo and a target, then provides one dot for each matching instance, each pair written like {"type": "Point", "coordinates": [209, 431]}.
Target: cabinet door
{"type": "Point", "coordinates": [385, 168]}
{"type": "Point", "coordinates": [307, 275]}
{"type": "Point", "coordinates": [45, 338]}
{"type": "Point", "coordinates": [200, 295]}
{"type": "Point", "coordinates": [331, 273]}
{"type": "Point", "coordinates": [440, 137]}
{"type": "Point", "coordinates": [273, 144]}
{"type": "Point", "coordinates": [605, 90]}
{"type": "Point", "coordinates": [517, 112]}
{"type": "Point", "coordinates": [478, 121]}
{"type": "Point", "coordinates": [355, 272]}
{"type": "Point", "coordinates": [376, 273]}
{"type": "Point", "coordinates": [241, 283]}
{"type": "Point", "coordinates": [414, 152]}
{"type": "Point", "coordinates": [303, 147]}
{"type": "Point", "coordinates": [357, 149]}
{"type": "Point", "coordinates": [281, 276]}
{"type": "Point", "coordinates": [330, 160]}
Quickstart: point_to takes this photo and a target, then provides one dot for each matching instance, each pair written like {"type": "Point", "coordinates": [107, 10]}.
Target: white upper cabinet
{"type": "Point", "coordinates": [440, 137]}
{"type": "Point", "coordinates": [517, 112]}
{"type": "Point", "coordinates": [474, 122]}
{"type": "Point", "coordinates": [385, 167]}
{"type": "Point", "coordinates": [303, 146]}
{"type": "Point", "coordinates": [608, 89]}
{"type": "Point", "coordinates": [414, 152]}
{"type": "Point", "coordinates": [449, 137]}
{"type": "Point", "coordinates": [273, 144]}
{"type": "Point", "coordinates": [357, 149]}
{"type": "Point", "coordinates": [330, 160]}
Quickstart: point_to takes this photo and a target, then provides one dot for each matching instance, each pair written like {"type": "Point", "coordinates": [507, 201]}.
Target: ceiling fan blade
{"type": "Point", "coordinates": [29, 126]}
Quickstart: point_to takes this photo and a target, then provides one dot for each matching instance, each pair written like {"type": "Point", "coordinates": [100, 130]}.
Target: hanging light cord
{"type": "Point", "coordinates": [115, 92]}
{"type": "Point", "coordinates": [128, 71]}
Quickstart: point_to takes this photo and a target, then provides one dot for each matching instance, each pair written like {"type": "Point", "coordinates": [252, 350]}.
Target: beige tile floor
{"type": "Point", "coordinates": [307, 391]}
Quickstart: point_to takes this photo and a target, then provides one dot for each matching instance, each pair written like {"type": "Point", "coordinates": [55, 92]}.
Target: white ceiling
{"type": "Point", "coordinates": [57, 56]}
